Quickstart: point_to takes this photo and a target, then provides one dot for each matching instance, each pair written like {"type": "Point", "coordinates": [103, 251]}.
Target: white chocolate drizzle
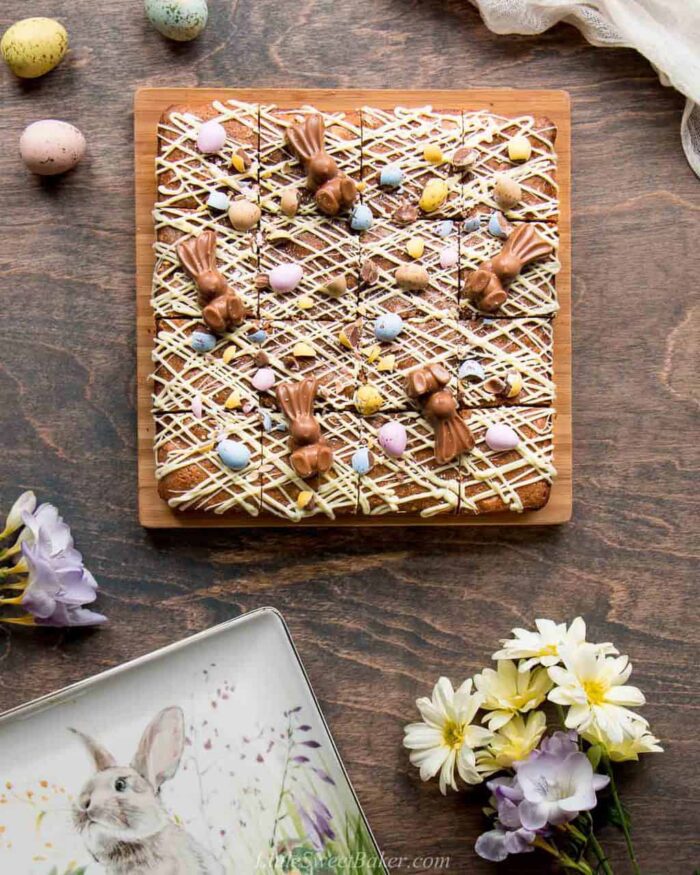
{"type": "Point", "coordinates": [532, 292]}
{"type": "Point", "coordinates": [280, 170]}
{"type": "Point", "coordinates": [188, 446]}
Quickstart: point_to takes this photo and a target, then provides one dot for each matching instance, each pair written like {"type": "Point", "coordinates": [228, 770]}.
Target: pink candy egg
{"type": "Point", "coordinates": [285, 277]}
{"type": "Point", "coordinates": [501, 437]}
{"type": "Point", "coordinates": [449, 257]}
{"type": "Point", "coordinates": [263, 379]}
{"type": "Point", "coordinates": [392, 438]}
{"type": "Point", "coordinates": [212, 136]}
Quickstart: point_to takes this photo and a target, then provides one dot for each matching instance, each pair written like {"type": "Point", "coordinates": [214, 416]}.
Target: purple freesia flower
{"type": "Point", "coordinates": [557, 786]}
{"type": "Point", "coordinates": [551, 787]}
{"type": "Point", "coordinates": [58, 585]}
{"type": "Point", "coordinates": [509, 836]}
{"type": "Point", "coordinates": [66, 616]}
{"type": "Point", "coordinates": [496, 844]}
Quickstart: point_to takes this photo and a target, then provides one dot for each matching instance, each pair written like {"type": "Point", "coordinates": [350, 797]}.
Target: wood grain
{"type": "Point", "coordinates": [377, 614]}
{"type": "Point", "coordinates": [149, 104]}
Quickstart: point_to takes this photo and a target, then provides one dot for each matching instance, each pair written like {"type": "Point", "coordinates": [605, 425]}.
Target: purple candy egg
{"type": "Point", "coordinates": [501, 437]}
{"type": "Point", "coordinates": [263, 379]}
{"type": "Point", "coordinates": [392, 438]}
{"type": "Point", "coordinates": [285, 277]}
{"type": "Point", "coordinates": [212, 136]}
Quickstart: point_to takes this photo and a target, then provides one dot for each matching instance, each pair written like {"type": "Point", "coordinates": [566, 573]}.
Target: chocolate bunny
{"type": "Point", "coordinates": [311, 453]}
{"type": "Point", "coordinates": [221, 307]}
{"type": "Point", "coordinates": [439, 406]}
{"type": "Point", "coordinates": [486, 285]}
{"type": "Point", "coordinates": [334, 191]}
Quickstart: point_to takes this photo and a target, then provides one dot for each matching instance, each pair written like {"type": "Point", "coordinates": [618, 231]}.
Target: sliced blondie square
{"type": "Point", "coordinates": [189, 468]}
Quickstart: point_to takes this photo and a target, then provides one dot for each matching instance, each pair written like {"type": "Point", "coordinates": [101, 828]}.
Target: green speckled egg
{"type": "Point", "coordinates": [180, 20]}
{"type": "Point", "coordinates": [34, 46]}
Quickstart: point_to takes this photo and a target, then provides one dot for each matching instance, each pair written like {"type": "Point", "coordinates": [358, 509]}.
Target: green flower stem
{"type": "Point", "coordinates": [623, 818]}
{"type": "Point", "coordinates": [600, 855]}
{"type": "Point", "coordinates": [562, 717]}
{"type": "Point", "coordinates": [564, 859]}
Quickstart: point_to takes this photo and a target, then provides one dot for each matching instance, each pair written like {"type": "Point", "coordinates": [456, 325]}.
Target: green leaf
{"type": "Point", "coordinates": [594, 754]}
{"type": "Point", "coordinates": [619, 817]}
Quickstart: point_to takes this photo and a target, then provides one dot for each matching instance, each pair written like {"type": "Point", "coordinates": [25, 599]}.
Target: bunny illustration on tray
{"type": "Point", "coordinates": [119, 813]}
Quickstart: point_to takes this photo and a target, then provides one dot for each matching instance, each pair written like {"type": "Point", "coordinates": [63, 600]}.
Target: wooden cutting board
{"type": "Point", "coordinates": [149, 104]}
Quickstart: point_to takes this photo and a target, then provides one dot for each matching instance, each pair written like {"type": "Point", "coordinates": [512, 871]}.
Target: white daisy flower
{"type": "Point", "coordinates": [447, 738]}
{"type": "Point", "coordinates": [594, 687]}
{"type": "Point", "coordinates": [507, 691]}
{"type": "Point", "coordinates": [543, 646]}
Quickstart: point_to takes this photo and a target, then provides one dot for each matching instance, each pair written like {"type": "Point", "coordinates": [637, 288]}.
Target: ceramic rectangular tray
{"type": "Point", "coordinates": [251, 778]}
{"type": "Point", "coordinates": [149, 104]}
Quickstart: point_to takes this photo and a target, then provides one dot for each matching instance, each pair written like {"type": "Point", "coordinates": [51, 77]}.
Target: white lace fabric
{"type": "Point", "coordinates": [666, 32]}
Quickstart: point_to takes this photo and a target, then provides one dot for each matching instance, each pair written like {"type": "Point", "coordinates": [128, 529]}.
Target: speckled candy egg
{"type": "Point", "coordinates": [233, 454]}
{"type": "Point", "coordinates": [388, 327]}
{"type": "Point", "coordinates": [391, 176]}
{"type": "Point", "coordinates": [285, 277]}
{"type": "Point", "coordinates": [180, 20]}
{"type": "Point", "coordinates": [361, 218]}
{"type": "Point", "coordinates": [392, 438]}
{"type": "Point", "coordinates": [202, 341]}
{"type": "Point", "coordinates": [50, 146]}
{"type": "Point", "coordinates": [362, 461]}
{"type": "Point", "coordinates": [34, 46]}
{"type": "Point", "coordinates": [501, 437]}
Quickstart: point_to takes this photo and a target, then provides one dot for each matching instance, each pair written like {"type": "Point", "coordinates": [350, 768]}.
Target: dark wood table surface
{"type": "Point", "coordinates": [377, 614]}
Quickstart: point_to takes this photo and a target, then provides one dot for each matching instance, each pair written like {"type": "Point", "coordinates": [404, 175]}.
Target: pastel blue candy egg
{"type": "Point", "coordinates": [202, 341]}
{"type": "Point", "coordinates": [471, 225]}
{"type": "Point", "coordinates": [388, 326]}
{"type": "Point", "coordinates": [180, 20]}
{"type": "Point", "coordinates": [498, 227]}
{"type": "Point", "coordinates": [361, 218]}
{"type": "Point", "coordinates": [233, 454]}
{"type": "Point", "coordinates": [391, 176]}
{"type": "Point", "coordinates": [471, 370]}
{"type": "Point", "coordinates": [444, 229]}
{"type": "Point", "coordinates": [361, 461]}
{"type": "Point", "coordinates": [258, 336]}
{"type": "Point", "coordinates": [217, 200]}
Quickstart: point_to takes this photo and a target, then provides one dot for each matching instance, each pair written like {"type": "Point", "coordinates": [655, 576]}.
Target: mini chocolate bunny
{"type": "Point", "coordinates": [311, 453]}
{"type": "Point", "coordinates": [119, 813]}
{"type": "Point", "coordinates": [439, 406]}
{"type": "Point", "coordinates": [222, 308]}
{"type": "Point", "coordinates": [334, 191]}
{"type": "Point", "coordinates": [486, 285]}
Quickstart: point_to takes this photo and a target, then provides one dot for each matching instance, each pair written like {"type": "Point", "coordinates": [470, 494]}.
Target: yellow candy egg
{"type": "Point", "coordinates": [304, 499]}
{"type": "Point", "coordinates": [305, 302]}
{"type": "Point", "coordinates": [368, 400]}
{"type": "Point", "coordinates": [433, 154]}
{"type": "Point", "coordinates": [434, 195]}
{"type": "Point", "coordinates": [303, 350]}
{"type": "Point", "coordinates": [519, 148]}
{"type": "Point", "coordinates": [34, 46]}
{"type": "Point", "coordinates": [233, 402]}
{"type": "Point", "coordinates": [415, 247]}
